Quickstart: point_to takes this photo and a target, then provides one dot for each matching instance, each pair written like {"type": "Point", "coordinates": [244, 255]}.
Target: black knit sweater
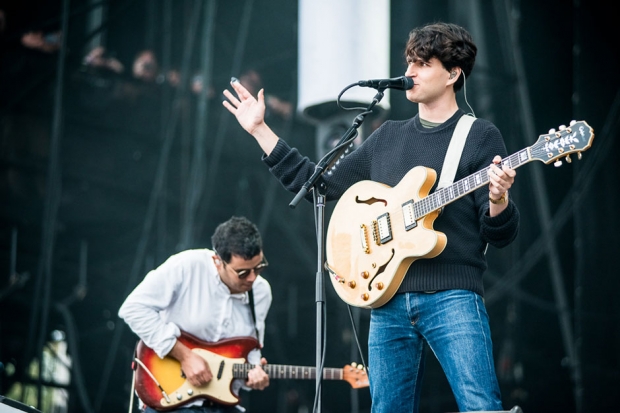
{"type": "Point", "coordinates": [386, 156]}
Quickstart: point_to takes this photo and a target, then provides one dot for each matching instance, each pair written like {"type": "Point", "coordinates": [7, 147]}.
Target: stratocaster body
{"type": "Point", "coordinates": [220, 356]}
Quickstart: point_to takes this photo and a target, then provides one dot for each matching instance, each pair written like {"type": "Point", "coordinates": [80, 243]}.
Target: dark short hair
{"type": "Point", "coordinates": [451, 44]}
{"type": "Point", "coordinates": [237, 236]}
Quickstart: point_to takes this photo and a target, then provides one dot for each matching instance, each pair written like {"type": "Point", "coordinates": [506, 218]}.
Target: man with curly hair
{"type": "Point", "coordinates": [439, 304]}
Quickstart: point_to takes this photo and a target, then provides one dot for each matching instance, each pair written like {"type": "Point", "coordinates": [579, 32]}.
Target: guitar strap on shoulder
{"type": "Point", "coordinates": [251, 297]}
{"type": "Point", "coordinates": [453, 155]}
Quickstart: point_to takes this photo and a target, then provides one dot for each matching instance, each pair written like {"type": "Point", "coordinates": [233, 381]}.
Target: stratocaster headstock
{"type": "Point", "coordinates": [356, 375]}
{"type": "Point", "coordinates": [575, 138]}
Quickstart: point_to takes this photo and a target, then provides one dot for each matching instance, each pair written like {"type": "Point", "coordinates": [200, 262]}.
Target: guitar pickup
{"type": "Point", "coordinates": [382, 229]}
{"type": "Point", "coordinates": [409, 215]}
{"type": "Point", "coordinates": [220, 370]}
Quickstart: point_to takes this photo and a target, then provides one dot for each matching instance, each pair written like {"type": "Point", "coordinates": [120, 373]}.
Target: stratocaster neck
{"type": "Point", "coordinates": [275, 371]}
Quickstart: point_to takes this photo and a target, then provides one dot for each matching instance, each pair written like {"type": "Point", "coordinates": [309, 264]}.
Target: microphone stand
{"type": "Point", "coordinates": [317, 184]}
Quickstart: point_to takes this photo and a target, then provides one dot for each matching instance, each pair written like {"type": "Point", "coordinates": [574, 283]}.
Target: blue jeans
{"type": "Point", "coordinates": [455, 325]}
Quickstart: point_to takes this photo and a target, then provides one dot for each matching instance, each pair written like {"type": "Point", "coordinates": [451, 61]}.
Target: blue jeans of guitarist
{"type": "Point", "coordinates": [455, 326]}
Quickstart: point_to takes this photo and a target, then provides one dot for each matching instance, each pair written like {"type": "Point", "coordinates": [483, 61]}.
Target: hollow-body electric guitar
{"type": "Point", "coordinates": [161, 385]}
{"type": "Point", "coordinates": [376, 232]}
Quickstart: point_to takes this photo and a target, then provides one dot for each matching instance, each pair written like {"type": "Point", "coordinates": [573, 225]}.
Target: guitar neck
{"type": "Point", "coordinates": [446, 195]}
{"type": "Point", "coordinates": [276, 371]}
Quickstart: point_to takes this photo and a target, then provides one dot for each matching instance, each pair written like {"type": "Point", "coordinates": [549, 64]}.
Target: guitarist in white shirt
{"type": "Point", "coordinates": [439, 303]}
{"type": "Point", "coordinates": [205, 293]}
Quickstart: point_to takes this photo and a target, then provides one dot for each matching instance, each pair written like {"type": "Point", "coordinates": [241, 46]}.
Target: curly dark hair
{"type": "Point", "coordinates": [237, 236]}
{"type": "Point", "coordinates": [451, 44]}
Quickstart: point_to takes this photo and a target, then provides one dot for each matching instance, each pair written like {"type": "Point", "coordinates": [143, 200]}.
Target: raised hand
{"type": "Point", "coordinates": [249, 111]}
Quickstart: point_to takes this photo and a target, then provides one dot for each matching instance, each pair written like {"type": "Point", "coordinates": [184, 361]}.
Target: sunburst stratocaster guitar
{"type": "Point", "coordinates": [376, 232]}
{"type": "Point", "coordinates": [161, 385]}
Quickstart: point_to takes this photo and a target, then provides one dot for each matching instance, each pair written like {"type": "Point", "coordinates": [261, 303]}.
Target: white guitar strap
{"type": "Point", "coordinates": [453, 155]}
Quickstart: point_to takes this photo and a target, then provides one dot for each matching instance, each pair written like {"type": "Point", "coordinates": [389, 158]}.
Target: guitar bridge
{"type": "Point", "coordinates": [364, 238]}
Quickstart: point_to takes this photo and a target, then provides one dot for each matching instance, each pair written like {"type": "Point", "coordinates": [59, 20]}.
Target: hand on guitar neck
{"type": "Point", "coordinates": [257, 377]}
{"type": "Point", "coordinates": [501, 178]}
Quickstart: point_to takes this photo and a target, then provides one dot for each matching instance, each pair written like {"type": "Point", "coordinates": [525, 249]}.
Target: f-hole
{"type": "Point", "coordinates": [380, 271]}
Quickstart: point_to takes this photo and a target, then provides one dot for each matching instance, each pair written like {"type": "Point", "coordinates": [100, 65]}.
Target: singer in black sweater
{"type": "Point", "coordinates": [439, 303]}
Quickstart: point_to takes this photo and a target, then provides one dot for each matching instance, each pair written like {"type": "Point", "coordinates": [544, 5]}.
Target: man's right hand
{"type": "Point", "coordinates": [195, 368]}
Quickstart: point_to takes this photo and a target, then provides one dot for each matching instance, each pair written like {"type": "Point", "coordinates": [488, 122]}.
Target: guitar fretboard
{"type": "Point", "coordinates": [275, 371]}
{"type": "Point", "coordinates": [444, 196]}
{"type": "Point", "coordinates": [547, 148]}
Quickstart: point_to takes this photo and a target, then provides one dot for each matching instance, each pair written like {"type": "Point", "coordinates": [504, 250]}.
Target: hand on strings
{"type": "Point", "coordinates": [196, 370]}
{"type": "Point", "coordinates": [500, 180]}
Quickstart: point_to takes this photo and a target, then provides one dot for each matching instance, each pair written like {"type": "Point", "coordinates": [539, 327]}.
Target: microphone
{"type": "Point", "coordinates": [400, 83]}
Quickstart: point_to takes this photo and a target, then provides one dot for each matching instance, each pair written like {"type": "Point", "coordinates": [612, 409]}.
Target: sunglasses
{"type": "Point", "coordinates": [257, 270]}
{"type": "Point", "coordinates": [244, 273]}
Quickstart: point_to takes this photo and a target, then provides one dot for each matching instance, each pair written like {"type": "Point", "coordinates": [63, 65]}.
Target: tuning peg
{"type": "Point", "coordinates": [354, 364]}
{"type": "Point", "coordinates": [572, 122]}
{"type": "Point", "coordinates": [552, 130]}
{"type": "Point", "coordinates": [562, 127]}
{"type": "Point", "coordinates": [568, 159]}
{"type": "Point", "coordinates": [579, 156]}
{"type": "Point", "coordinates": [557, 163]}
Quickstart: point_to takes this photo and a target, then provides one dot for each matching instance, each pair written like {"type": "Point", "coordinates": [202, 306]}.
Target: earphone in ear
{"type": "Point", "coordinates": [452, 74]}
{"type": "Point", "coordinates": [217, 262]}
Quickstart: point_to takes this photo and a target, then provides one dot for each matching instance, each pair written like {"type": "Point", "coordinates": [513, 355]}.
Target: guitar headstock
{"type": "Point", "coordinates": [356, 375]}
{"type": "Point", "coordinates": [575, 138]}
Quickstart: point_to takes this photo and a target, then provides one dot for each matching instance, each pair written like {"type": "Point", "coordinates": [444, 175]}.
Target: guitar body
{"type": "Point", "coordinates": [220, 356]}
{"type": "Point", "coordinates": [367, 273]}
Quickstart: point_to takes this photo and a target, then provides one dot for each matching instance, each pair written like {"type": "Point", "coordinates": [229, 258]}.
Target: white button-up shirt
{"type": "Point", "coordinates": [185, 293]}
